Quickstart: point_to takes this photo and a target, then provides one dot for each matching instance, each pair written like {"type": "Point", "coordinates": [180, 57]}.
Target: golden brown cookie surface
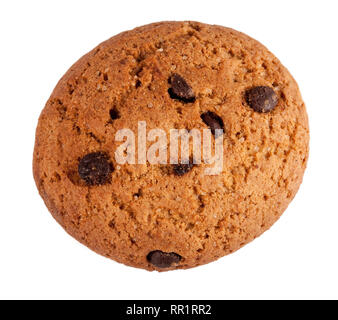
{"type": "Point", "coordinates": [181, 75]}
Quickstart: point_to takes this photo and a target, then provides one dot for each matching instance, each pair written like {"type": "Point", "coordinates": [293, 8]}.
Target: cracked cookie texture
{"type": "Point", "coordinates": [181, 75]}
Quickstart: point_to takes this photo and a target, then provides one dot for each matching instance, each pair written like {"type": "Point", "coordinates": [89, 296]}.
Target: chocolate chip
{"type": "Point", "coordinates": [212, 120]}
{"type": "Point", "coordinates": [182, 168]}
{"type": "Point", "coordinates": [180, 89]}
{"type": "Point", "coordinates": [114, 114]}
{"type": "Point", "coordinates": [95, 168]}
{"type": "Point", "coordinates": [162, 259]}
{"type": "Point", "coordinates": [261, 99]}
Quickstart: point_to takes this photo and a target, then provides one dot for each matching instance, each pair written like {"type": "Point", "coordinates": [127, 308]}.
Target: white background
{"type": "Point", "coordinates": [297, 258]}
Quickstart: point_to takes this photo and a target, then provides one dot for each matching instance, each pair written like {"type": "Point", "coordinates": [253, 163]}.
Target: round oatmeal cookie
{"type": "Point", "coordinates": [171, 75]}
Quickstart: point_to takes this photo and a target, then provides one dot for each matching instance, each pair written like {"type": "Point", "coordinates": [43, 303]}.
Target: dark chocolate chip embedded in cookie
{"type": "Point", "coordinates": [213, 121]}
{"type": "Point", "coordinates": [162, 259]}
{"type": "Point", "coordinates": [181, 169]}
{"type": "Point", "coordinates": [180, 89]}
{"type": "Point", "coordinates": [172, 75]}
{"type": "Point", "coordinates": [95, 168]}
{"type": "Point", "coordinates": [261, 98]}
{"type": "Point", "coordinates": [114, 114]}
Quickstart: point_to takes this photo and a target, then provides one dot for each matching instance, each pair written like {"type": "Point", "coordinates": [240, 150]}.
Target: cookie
{"type": "Point", "coordinates": [171, 75]}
